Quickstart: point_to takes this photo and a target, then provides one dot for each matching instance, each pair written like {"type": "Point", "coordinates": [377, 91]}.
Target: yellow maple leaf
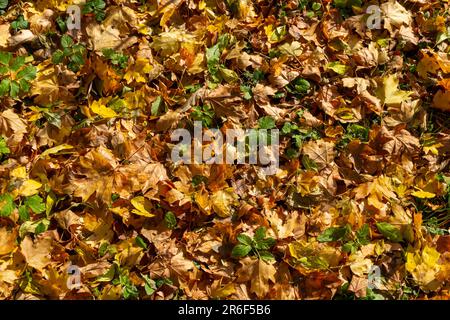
{"type": "Point", "coordinates": [99, 108]}
{"type": "Point", "coordinates": [441, 100]}
{"type": "Point", "coordinates": [142, 206]}
{"type": "Point", "coordinates": [222, 201]}
{"type": "Point", "coordinates": [137, 71]}
{"type": "Point", "coordinates": [28, 188]}
{"type": "Point", "coordinates": [263, 273]}
{"type": "Point", "coordinates": [423, 266]}
{"type": "Point", "coordinates": [390, 93]}
{"type": "Point", "coordinates": [56, 149]}
{"type": "Point", "coordinates": [423, 194]}
{"type": "Point", "coordinates": [19, 172]}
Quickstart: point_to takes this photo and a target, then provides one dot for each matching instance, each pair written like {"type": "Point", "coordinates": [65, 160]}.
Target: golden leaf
{"type": "Point", "coordinates": [141, 207]}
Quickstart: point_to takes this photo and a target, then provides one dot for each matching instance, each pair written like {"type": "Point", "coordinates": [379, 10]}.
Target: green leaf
{"type": "Point", "coordinates": [3, 147]}
{"type": "Point", "coordinates": [19, 23]}
{"type": "Point", "coordinates": [35, 203]}
{"type": "Point", "coordinates": [308, 163]}
{"type": "Point", "coordinates": [3, 4]}
{"type": "Point", "coordinates": [108, 276]}
{"type": "Point", "coordinates": [5, 58]}
{"type": "Point", "coordinates": [343, 4]}
{"type": "Point", "coordinates": [77, 58]}
{"type": "Point", "coordinates": [66, 41]}
{"type": "Point", "coordinates": [334, 234]}
{"type": "Point", "coordinates": [260, 233]}
{"type": "Point", "coordinates": [266, 256]}
{"type": "Point", "coordinates": [170, 220]}
{"type": "Point", "coordinates": [155, 106]}
{"type": "Point", "coordinates": [35, 227]}
{"type": "Point", "coordinates": [53, 118]}
{"type": "Point", "coordinates": [228, 75]}
{"type": "Point", "coordinates": [288, 128]}
{"type": "Point", "coordinates": [316, 6]}
{"type": "Point", "coordinates": [28, 73]}
{"type": "Point", "coordinates": [129, 290]}
{"type": "Point", "coordinates": [4, 87]}
{"type": "Point", "coordinates": [266, 122]}
{"type": "Point", "coordinates": [265, 244]}
{"type": "Point", "coordinates": [61, 24]}
{"type": "Point", "coordinates": [337, 67]}
{"type": "Point", "coordinates": [140, 242]}
{"type": "Point", "coordinates": [213, 56]}
{"type": "Point", "coordinates": [24, 214]}
{"type": "Point", "coordinates": [362, 235]}
{"type": "Point", "coordinates": [301, 85]}
{"type": "Point", "coordinates": [103, 248]}
{"type": "Point", "coordinates": [247, 91]}
{"type": "Point", "coordinates": [150, 285]}
{"type": "Point", "coordinates": [244, 239]}
{"type": "Point", "coordinates": [349, 247]}
{"type": "Point", "coordinates": [3, 69]}
{"type": "Point", "coordinates": [14, 89]}
{"type": "Point", "coordinates": [17, 63]}
{"type": "Point", "coordinates": [42, 226]}
{"type": "Point", "coordinates": [241, 250]}
{"type": "Point", "coordinates": [108, 53]}
{"type": "Point", "coordinates": [389, 231]}
{"type": "Point", "coordinates": [57, 57]}
{"type": "Point", "coordinates": [24, 85]}
{"type": "Point", "coordinates": [6, 205]}
{"type": "Point", "coordinates": [442, 36]}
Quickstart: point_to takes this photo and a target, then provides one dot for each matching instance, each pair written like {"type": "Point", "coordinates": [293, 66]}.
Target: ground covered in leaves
{"type": "Point", "coordinates": [87, 182]}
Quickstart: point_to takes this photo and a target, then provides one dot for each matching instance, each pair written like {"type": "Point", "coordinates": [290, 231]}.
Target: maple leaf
{"type": "Point", "coordinates": [37, 253]}
{"type": "Point", "coordinates": [222, 201]}
{"type": "Point", "coordinates": [423, 266]}
{"type": "Point", "coordinates": [7, 240]}
{"type": "Point", "coordinates": [138, 70]}
{"type": "Point", "coordinates": [389, 92]}
{"type": "Point", "coordinates": [99, 107]}
{"type": "Point", "coordinates": [320, 151]}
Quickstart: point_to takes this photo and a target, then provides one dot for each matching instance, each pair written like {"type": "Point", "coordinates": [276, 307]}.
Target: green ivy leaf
{"type": "Point", "coordinates": [170, 219]}
{"type": "Point", "coordinates": [141, 243]}
{"type": "Point", "coordinates": [3, 147]}
{"type": "Point", "coordinates": [247, 91]}
{"type": "Point", "coordinates": [334, 234]}
{"type": "Point", "coordinates": [20, 23]}
{"type": "Point", "coordinates": [41, 227]}
{"type": "Point", "coordinates": [24, 214]}
{"type": "Point", "coordinates": [362, 235]}
{"type": "Point", "coordinates": [150, 285]}
{"type": "Point", "coordinates": [4, 87]}
{"type": "Point", "coordinates": [3, 4]}
{"type": "Point", "coordinates": [155, 106]}
{"type": "Point", "coordinates": [35, 203]}
{"type": "Point", "coordinates": [266, 122]}
{"type": "Point", "coordinates": [301, 85]}
{"type": "Point", "coordinates": [389, 231]}
{"type": "Point", "coordinates": [6, 205]}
